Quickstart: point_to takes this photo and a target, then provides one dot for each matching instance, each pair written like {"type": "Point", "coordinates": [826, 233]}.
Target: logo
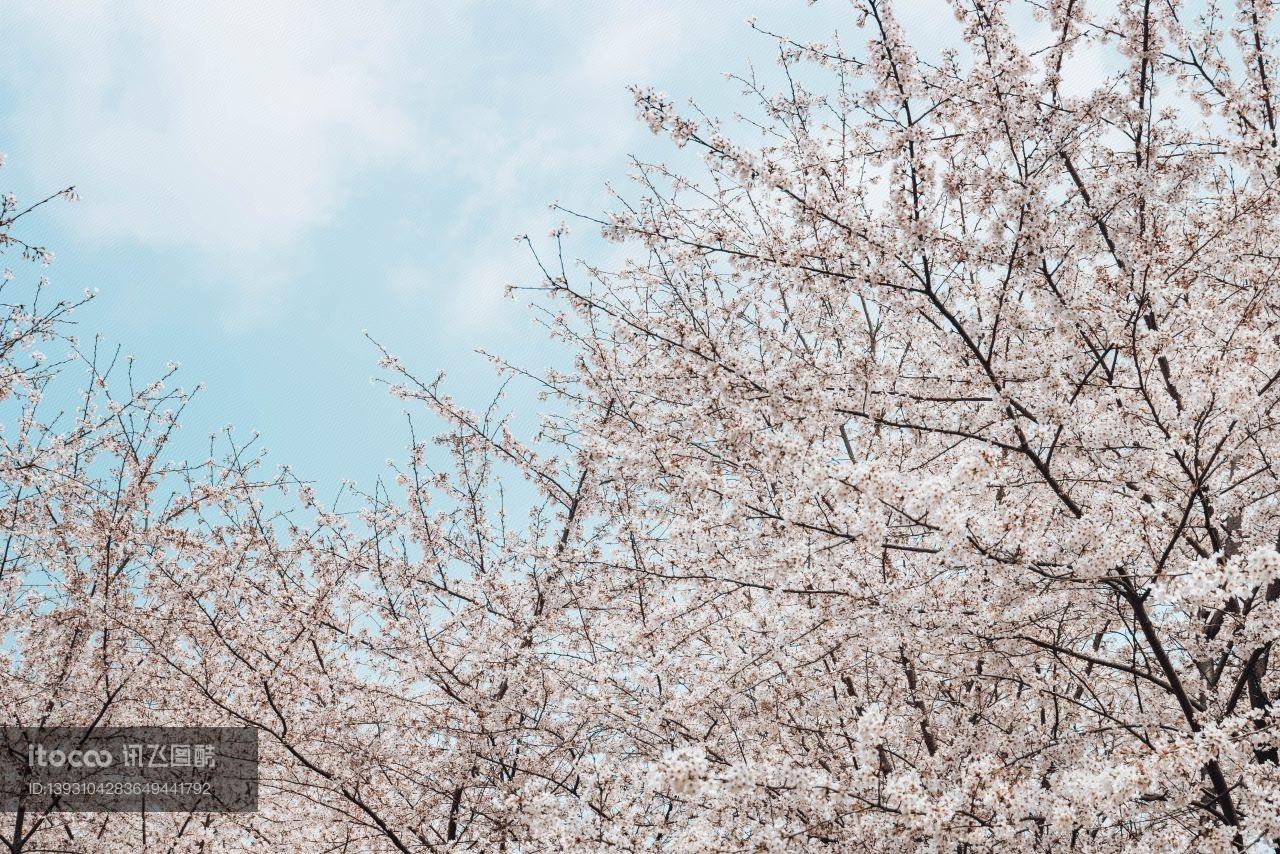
{"type": "Point", "coordinates": [40, 757]}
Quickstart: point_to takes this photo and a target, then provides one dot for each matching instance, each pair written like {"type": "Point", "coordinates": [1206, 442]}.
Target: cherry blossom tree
{"type": "Point", "coordinates": [912, 488]}
{"type": "Point", "coordinates": [92, 506]}
{"type": "Point", "coordinates": [930, 436]}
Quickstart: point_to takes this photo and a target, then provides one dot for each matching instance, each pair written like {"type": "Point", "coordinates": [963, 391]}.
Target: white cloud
{"type": "Point", "coordinates": [228, 127]}
{"type": "Point", "coordinates": [231, 134]}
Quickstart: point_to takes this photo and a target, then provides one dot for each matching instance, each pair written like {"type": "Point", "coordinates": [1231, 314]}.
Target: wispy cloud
{"type": "Point", "coordinates": [241, 136]}
{"type": "Point", "coordinates": [228, 128]}
{"type": "Point", "coordinates": [227, 125]}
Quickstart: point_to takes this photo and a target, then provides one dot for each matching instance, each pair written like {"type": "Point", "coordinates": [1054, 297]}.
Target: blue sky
{"type": "Point", "coordinates": [261, 182]}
